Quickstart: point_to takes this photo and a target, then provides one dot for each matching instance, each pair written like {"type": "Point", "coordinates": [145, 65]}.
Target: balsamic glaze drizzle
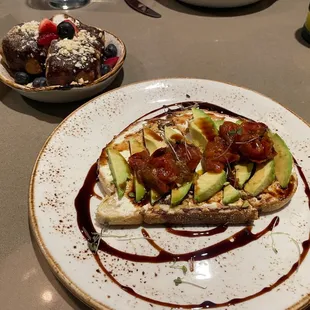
{"type": "Point", "coordinates": [190, 233]}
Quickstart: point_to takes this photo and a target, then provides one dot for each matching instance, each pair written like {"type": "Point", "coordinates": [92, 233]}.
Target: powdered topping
{"type": "Point", "coordinates": [30, 28]}
{"type": "Point", "coordinates": [85, 37]}
{"type": "Point", "coordinates": [76, 46]}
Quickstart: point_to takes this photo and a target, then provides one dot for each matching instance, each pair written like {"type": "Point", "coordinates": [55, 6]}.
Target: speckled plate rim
{"type": "Point", "coordinates": [59, 273]}
{"type": "Point", "coordinates": [114, 71]}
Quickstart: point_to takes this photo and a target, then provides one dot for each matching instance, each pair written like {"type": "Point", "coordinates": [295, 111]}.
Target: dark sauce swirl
{"type": "Point", "coordinates": [241, 238]}
{"type": "Point", "coordinates": [190, 233]}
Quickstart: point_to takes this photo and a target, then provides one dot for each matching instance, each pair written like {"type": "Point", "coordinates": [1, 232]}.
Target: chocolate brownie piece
{"type": "Point", "coordinates": [21, 51]}
{"type": "Point", "coordinates": [73, 61]}
{"type": "Point", "coordinates": [96, 33]}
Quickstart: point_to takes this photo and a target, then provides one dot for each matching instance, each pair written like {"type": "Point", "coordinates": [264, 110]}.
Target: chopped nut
{"type": "Point", "coordinates": [78, 65]}
{"type": "Point", "coordinates": [30, 28]}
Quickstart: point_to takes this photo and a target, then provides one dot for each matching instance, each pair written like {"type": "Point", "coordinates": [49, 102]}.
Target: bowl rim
{"type": "Point", "coordinates": [114, 70]}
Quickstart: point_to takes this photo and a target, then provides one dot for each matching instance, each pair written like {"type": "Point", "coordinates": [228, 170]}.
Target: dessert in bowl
{"type": "Point", "coordinates": [60, 59]}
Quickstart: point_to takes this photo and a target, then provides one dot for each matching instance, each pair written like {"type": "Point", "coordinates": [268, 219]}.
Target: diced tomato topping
{"type": "Point", "coordinates": [188, 154]}
{"type": "Point", "coordinates": [165, 167]}
{"type": "Point", "coordinates": [218, 153]}
{"type": "Point", "coordinates": [248, 141]}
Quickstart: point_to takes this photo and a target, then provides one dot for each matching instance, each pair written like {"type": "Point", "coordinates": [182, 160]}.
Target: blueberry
{"type": "Point", "coordinates": [22, 78]}
{"type": "Point", "coordinates": [39, 82]}
{"type": "Point", "coordinates": [65, 30]}
{"type": "Point", "coordinates": [110, 51]}
{"type": "Point", "coordinates": [105, 69]}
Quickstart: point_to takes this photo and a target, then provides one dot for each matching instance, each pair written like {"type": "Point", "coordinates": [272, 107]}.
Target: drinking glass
{"type": "Point", "coordinates": [67, 4]}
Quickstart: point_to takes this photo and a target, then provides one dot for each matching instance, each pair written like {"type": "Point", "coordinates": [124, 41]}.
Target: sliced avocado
{"type": "Point", "coordinates": [208, 184]}
{"type": "Point", "coordinates": [153, 141]}
{"type": "Point", "coordinates": [243, 173]}
{"type": "Point", "coordinates": [173, 135]}
{"type": "Point", "coordinates": [218, 123]}
{"type": "Point", "coordinates": [246, 204]}
{"type": "Point", "coordinates": [120, 170]}
{"type": "Point", "coordinates": [262, 178]}
{"type": "Point", "coordinates": [140, 191]}
{"type": "Point", "coordinates": [154, 197]}
{"type": "Point", "coordinates": [135, 146]}
{"type": "Point", "coordinates": [230, 195]}
{"type": "Point", "coordinates": [283, 160]}
{"type": "Point", "coordinates": [199, 169]}
{"type": "Point", "coordinates": [199, 126]}
{"type": "Point", "coordinates": [197, 113]}
{"type": "Point", "coordinates": [178, 194]}
{"type": "Point", "coordinates": [197, 137]}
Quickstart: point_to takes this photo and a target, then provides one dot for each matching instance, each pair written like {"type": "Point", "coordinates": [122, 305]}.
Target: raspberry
{"type": "Point", "coordinates": [111, 61]}
{"type": "Point", "coordinates": [46, 38]}
{"type": "Point", "coordinates": [47, 26]}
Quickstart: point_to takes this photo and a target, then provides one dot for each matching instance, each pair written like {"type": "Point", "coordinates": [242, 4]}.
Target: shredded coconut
{"type": "Point", "coordinates": [78, 65]}
{"type": "Point", "coordinates": [85, 37]}
{"type": "Point", "coordinates": [30, 28]}
{"type": "Point", "coordinates": [75, 46]}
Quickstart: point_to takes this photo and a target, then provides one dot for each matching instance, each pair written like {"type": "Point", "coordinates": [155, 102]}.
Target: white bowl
{"type": "Point", "coordinates": [63, 94]}
{"type": "Point", "coordinates": [220, 3]}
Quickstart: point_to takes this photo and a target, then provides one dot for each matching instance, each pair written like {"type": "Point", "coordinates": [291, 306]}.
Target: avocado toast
{"type": "Point", "coordinates": [194, 166]}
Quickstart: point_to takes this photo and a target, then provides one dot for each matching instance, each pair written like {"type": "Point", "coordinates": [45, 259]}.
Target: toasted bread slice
{"type": "Point", "coordinates": [114, 212]}
{"type": "Point", "coordinates": [213, 211]}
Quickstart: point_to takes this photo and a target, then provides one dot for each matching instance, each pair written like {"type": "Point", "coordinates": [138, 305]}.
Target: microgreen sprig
{"type": "Point", "coordinates": [179, 281]}
{"type": "Point", "coordinates": [235, 132]}
{"type": "Point", "coordinates": [93, 241]}
{"type": "Point", "coordinates": [275, 250]}
{"type": "Point", "coordinates": [183, 267]}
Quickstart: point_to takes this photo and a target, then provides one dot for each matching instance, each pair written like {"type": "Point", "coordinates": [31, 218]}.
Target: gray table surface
{"type": "Point", "coordinates": [258, 47]}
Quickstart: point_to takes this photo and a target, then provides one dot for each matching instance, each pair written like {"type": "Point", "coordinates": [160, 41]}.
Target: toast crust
{"type": "Point", "coordinates": [185, 215]}
{"type": "Point", "coordinates": [197, 216]}
{"type": "Point", "coordinates": [112, 213]}
{"type": "Point", "coordinates": [211, 213]}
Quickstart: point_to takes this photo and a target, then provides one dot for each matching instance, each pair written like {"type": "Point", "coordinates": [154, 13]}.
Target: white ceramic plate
{"type": "Point", "coordinates": [220, 3]}
{"type": "Point", "coordinates": [76, 144]}
{"type": "Point", "coordinates": [59, 94]}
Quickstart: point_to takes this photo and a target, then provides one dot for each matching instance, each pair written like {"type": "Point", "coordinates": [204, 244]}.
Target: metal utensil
{"type": "Point", "coordinates": [141, 8]}
{"type": "Point", "coordinates": [67, 4]}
